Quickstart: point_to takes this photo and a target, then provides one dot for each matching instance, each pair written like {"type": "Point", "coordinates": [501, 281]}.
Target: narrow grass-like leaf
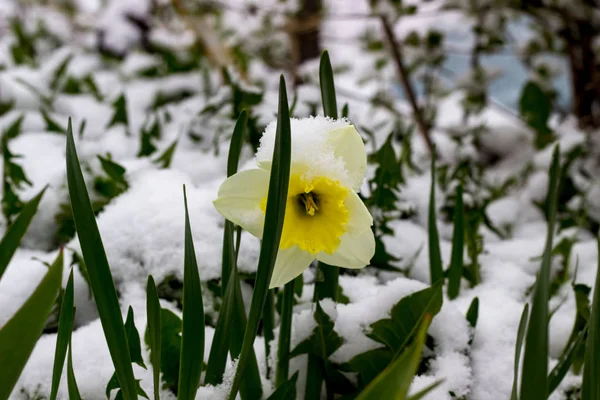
{"type": "Point", "coordinates": [395, 380]}
{"type": "Point", "coordinates": [192, 333]}
{"type": "Point", "coordinates": [65, 327]}
{"type": "Point", "coordinates": [285, 331]}
{"type": "Point", "coordinates": [565, 361]}
{"type": "Point", "coordinates": [419, 395]}
{"type": "Point", "coordinates": [251, 386]}
{"type": "Point", "coordinates": [274, 216]}
{"type": "Point", "coordinates": [518, 347]}
{"type": "Point", "coordinates": [235, 147]}
{"type": "Point", "coordinates": [590, 386]}
{"type": "Point", "coordinates": [164, 159]}
{"type": "Point", "coordinates": [285, 391]}
{"type": "Point", "coordinates": [20, 334]}
{"type": "Point", "coordinates": [154, 332]}
{"type": "Point", "coordinates": [328, 286]}
{"type": "Point", "coordinates": [535, 358]}
{"type": "Point", "coordinates": [473, 312]}
{"type": "Point", "coordinates": [268, 327]}
{"type": "Point", "coordinates": [100, 277]}
{"type": "Point", "coordinates": [229, 332]}
{"type": "Point", "coordinates": [436, 270]}
{"type": "Point", "coordinates": [458, 246]}
{"type": "Point", "coordinates": [11, 240]}
{"type": "Point", "coordinates": [327, 86]}
{"type": "Point", "coordinates": [71, 382]}
{"type": "Point", "coordinates": [219, 348]}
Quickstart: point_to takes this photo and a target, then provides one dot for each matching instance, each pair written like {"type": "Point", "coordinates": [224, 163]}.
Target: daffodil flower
{"type": "Point", "coordinates": [324, 218]}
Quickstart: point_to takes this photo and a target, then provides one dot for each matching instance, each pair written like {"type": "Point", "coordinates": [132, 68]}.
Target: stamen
{"type": "Point", "coordinates": [309, 203]}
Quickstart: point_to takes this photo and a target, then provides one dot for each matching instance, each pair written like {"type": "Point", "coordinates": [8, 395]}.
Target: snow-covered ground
{"type": "Point", "coordinates": [142, 228]}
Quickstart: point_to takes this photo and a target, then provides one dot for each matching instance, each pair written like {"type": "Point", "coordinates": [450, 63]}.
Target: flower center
{"type": "Point", "coordinates": [309, 202]}
{"type": "Point", "coordinates": [316, 215]}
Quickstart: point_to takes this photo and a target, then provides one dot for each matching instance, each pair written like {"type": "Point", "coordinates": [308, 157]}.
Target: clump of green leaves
{"type": "Point", "coordinates": [13, 177]}
{"type": "Point", "coordinates": [385, 189]}
{"type": "Point", "coordinates": [396, 332]}
{"type": "Point", "coordinates": [108, 185]}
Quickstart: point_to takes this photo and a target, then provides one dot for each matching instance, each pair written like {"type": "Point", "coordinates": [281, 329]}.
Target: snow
{"type": "Point", "coordinates": [310, 148]}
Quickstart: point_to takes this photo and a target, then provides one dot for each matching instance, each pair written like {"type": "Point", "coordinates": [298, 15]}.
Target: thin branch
{"type": "Point", "coordinates": [408, 89]}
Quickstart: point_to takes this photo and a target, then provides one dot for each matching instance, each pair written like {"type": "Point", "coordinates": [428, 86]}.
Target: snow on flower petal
{"type": "Point", "coordinates": [323, 147]}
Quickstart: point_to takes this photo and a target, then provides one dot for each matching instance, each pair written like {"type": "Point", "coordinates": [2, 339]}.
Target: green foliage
{"type": "Point", "coordinates": [147, 136]}
{"type": "Point", "coordinates": [154, 333]}
{"type": "Point", "coordinates": [518, 347]}
{"type": "Point", "coordinates": [275, 211]}
{"type": "Point", "coordinates": [100, 277]}
{"type": "Point", "coordinates": [165, 158]}
{"type": "Point", "coordinates": [192, 331]}
{"type": "Point", "coordinates": [535, 108]}
{"type": "Point", "coordinates": [12, 238]}
{"type": "Point", "coordinates": [23, 49]}
{"type": "Point", "coordinates": [114, 182]}
{"type": "Point", "coordinates": [566, 360]}
{"type": "Point", "coordinates": [135, 353]}
{"type": "Point", "coordinates": [6, 106]}
{"type": "Point", "coordinates": [65, 327]}
{"type": "Point", "coordinates": [106, 187]}
{"type": "Point", "coordinates": [71, 381]}
{"type": "Point", "coordinates": [285, 332]}
{"type": "Point", "coordinates": [396, 332]}
{"type": "Point", "coordinates": [395, 380]}
{"type": "Point", "coordinates": [232, 321]}
{"type": "Point", "coordinates": [51, 125]}
{"type": "Point", "coordinates": [170, 348]}
{"type": "Point", "coordinates": [385, 188]}
{"type": "Point", "coordinates": [323, 341]}
{"type": "Point", "coordinates": [535, 359]}
{"type": "Point", "coordinates": [20, 333]}
{"type": "Point", "coordinates": [120, 115]}
{"type": "Point", "coordinates": [436, 269]}
{"type": "Point", "coordinates": [590, 386]}
{"type": "Point", "coordinates": [13, 175]}
{"type": "Point", "coordinates": [473, 312]}
{"type": "Point", "coordinates": [285, 391]}
{"type": "Point", "coordinates": [455, 270]}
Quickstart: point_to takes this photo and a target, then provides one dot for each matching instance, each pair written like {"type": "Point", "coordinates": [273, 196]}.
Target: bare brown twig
{"type": "Point", "coordinates": [408, 89]}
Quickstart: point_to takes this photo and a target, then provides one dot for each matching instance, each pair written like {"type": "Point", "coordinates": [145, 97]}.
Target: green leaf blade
{"type": "Point", "coordinates": [20, 334]}
{"type": "Point", "coordinates": [518, 347]}
{"type": "Point", "coordinates": [285, 332]}
{"type": "Point", "coordinates": [327, 86]}
{"type": "Point", "coordinates": [394, 382]}
{"type": "Point", "coordinates": [192, 333]}
{"type": "Point", "coordinates": [285, 391]}
{"type": "Point", "coordinates": [274, 216]}
{"type": "Point", "coordinates": [458, 246]}
{"type": "Point", "coordinates": [436, 270]}
{"type": "Point", "coordinates": [71, 381]}
{"type": "Point", "coordinates": [535, 359]}
{"type": "Point", "coordinates": [153, 313]}
{"type": "Point", "coordinates": [590, 387]}
{"type": "Point", "coordinates": [65, 327]}
{"type": "Point", "coordinates": [100, 277]}
{"type": "Point", "coordinates": [11, 240]}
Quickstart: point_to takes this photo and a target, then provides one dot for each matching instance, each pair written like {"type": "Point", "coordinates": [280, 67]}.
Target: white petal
{"type": "Point", "coordinates": [355, 251]}
{"type": "Point", "coordinates": [239, 199]}
{"type": "Point", "coordinates": [289, 264]}
{"type": "Point", "coordinates": [348, 145]}
{"type": "Point", "coordinates": [360, 217]}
